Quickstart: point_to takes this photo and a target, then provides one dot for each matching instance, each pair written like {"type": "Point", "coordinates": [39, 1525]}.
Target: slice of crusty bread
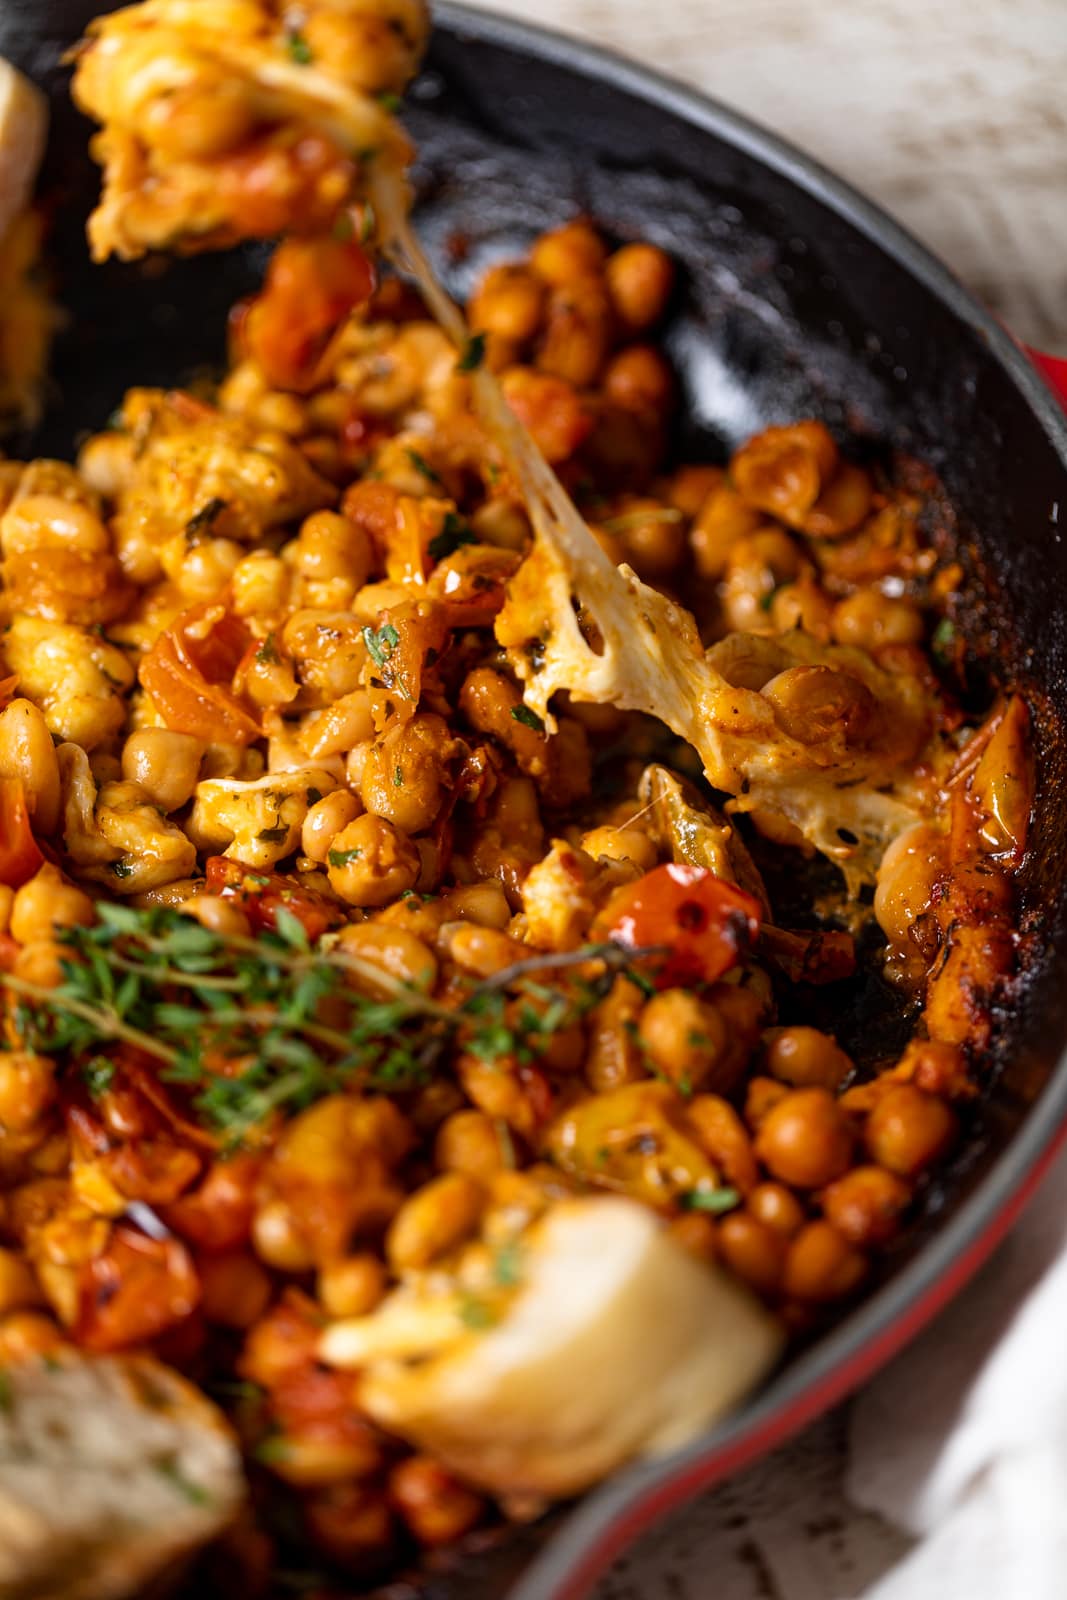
{"type": "Point", "coordinates": [112, 1470]}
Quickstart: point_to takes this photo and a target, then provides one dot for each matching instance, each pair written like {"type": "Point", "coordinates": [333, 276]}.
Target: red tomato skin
{"type": "Point", "coordinates": [705, 924]}
{"type": "Point", "coordinates": [20, 854]}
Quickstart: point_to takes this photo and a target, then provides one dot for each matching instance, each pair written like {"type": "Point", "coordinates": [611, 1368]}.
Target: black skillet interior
{"type": "Point", "coordinates": [796, 300]}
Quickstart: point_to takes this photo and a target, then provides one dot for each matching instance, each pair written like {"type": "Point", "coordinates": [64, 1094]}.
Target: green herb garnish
{"type": "Point", "coordinates": [453, 535]}
{"type": "Point", "coordinates": [420, 463]}
{"type": "Point", "coordinates": [267, 653]}
{"type": "Point", "coordinates": [381, 643]}
{"type": "Point", "coordinates": [195, 1493]}
{"type": "Point", "coordinates": [99, 1074]}
{"type": "Point", "coordinates": [529, 719]}
{"type": "Point", "coordinates": [343, 858]}
{"type": "Point", "coordinates": [189, 998]}
{"type": "Point", "coordinates": [299, 50]}
{"type": "Point", "coordinates": [711, 1200]}
{"type": "Point", "coordinates": [473, 354]}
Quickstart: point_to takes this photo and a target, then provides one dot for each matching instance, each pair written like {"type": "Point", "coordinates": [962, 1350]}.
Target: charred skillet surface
{"type": "Point", "coordinates": [797, 299]}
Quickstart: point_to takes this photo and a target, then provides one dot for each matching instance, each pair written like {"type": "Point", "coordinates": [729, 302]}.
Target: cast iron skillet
{"type": "Point", "coordinates": [799, 298]}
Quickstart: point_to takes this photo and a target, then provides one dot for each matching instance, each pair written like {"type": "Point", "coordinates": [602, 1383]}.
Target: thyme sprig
{"type": "Point", "coordinates": [250, 1027]}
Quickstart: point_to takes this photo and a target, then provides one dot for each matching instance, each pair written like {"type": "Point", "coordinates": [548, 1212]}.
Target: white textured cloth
{"type": "Point", "coordinates": [962, 1442]}
{"type": "Point", "coordinates": [945, 1479]}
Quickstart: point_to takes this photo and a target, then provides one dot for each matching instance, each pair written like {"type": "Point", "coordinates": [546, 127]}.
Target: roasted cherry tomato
{"type": "Point", "coordinates": [20, 855]}
{"type": "Point", "coordinates": [188, 673]}
{"type": "Point", "coordinates": [312, 286]}
{"type": "Point", "coordinates": [260, 894]}
{"type": "Point", "coordinates": [705, 924]}
{"type": "Point", "coordinates": [136, 1290]}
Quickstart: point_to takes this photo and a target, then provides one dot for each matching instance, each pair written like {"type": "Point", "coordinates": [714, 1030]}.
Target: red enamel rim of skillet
{"type": "Point", "coordinates": [609, 1519]}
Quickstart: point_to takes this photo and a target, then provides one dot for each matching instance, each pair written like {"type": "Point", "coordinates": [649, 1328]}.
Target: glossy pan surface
{"type": "Point", "coordinates": [798, 298]}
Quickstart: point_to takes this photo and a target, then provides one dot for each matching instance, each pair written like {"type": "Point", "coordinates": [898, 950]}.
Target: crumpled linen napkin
{"type": "Point", "coordinates": [962, 1440]}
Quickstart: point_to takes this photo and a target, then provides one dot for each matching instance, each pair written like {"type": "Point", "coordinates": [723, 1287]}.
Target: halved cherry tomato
{"type": "Point", "coordinates": [312, 286]}
{"type": "Point", "coordinates": [137, 1289]}
{"type": "Point", "coordinates": [20, 855]}
{"type": "Point", "coordinates": [217, 1214]}
{"type": "Point", "coordinates": [7, 689]}
{"type": "Point", "coordinates": [188, 673]}
{"type": "Point", "coordinates": [261, 894]}
{"type": "Point", "coordinates": [705, 924]}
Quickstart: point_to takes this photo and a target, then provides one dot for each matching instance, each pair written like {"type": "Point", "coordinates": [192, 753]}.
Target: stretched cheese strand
{"type": "Point", "coordinates": [577, 622]}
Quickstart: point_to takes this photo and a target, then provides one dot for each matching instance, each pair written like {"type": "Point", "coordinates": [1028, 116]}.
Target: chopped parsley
{"type": "Point", "coordinates": [472, 354]}
{"type": "Point", "coordinates": [381, 643]}
{"type": "Point", "coordinates": [420, 463]}
{"type": "Point", "coordinates": [398, 777]}
{"type": "Point", "coordinates": [454, 534]}
{"type": "Point", "coordinates": [203, 519]}
{"type": "Point", "coordinates": [299, 49]}
{"type": "Point", "coordinates": [122, 869]}
{"type": "Point", "coordinates": [267, 654]}
{"type": "Point", "coordinates": [529, 719]}
{"type": "Point", "coordinates": [99, 1074]}
{"type": "Point", "coordinates": [711, 1200]}
{"type": "Point", "coordinates": [343, 858]}
{"type": "Point", "coordinates": [389, 101]}
{"type": "Point", "coordinates": [943, 641]}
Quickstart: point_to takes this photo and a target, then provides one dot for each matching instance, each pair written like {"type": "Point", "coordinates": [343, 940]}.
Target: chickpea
{"type": "Point", "coordinates": [201, 571]}
{"type": "Point", "coordinates": [27, 752]}
{"type": "Point", "coordinates": [481, 951]}
{"type": "Point", "coordinates": [19, 1289]}
{"type": "Point", "coordinates": [575, 250]}
{"type": "Point", "coordinates": [27, 1333]}
{"type": "Point", "coordinates": [651, 538]}
{"type": "Point", "coordinates": [722, 522]}
{"type": "Point", "coordinates": [405, 772]}
{"type": "Point", "coordinates": [755, 567]}
{"type": "Point", "coordinates": [260, 585]}
{"type": "Point", "coordinates": [165, 765]}
{"type": "Point", "coordinates": [396, 951]}
{"type": "Point", "coordinates": [27, 1089]}
{"type": "Point", "coordinates": [683, 1036]}
{"type": "Point", "coordinates": [806, 1139]}
{"type": "Point", "coordinates": [218, 914]}
{"type": "Point", "coordinates": [234, 1289]}
{"type": "Point", "coordinates": [613, 1058]}
{"type": "Point", "coordinates": [484, 903]}
{"type": "Point", "coordinates": [351, 1287]}
{"type": "Point", "coordinates": [869, 619]}
{"type": "Point", "coordinates": [46, 904]}
{"type": "Point", "coordinates": [277, 1239]}
{"type": "Point", "coordinates": [470, 1142]}
{"type": "Point", "coordinates": [334, 553]}
{"type": "Point", "coordinates": [814, 704]}
{"type": "Point", "coordinates": [325, 820]}
{"type": "Point", "coordinates": [640, 279]}
{"type": "Point", "coordinates": [577, 332]}
{"type": "Point", "coordinates": [695, 1232]}
{"type": "Point", "coordinates": [371, 862]}
{"type": "Point", "coordinates": [805, 1058]}
{"type": "Point", "coordinates": [821, 1265]}
{"type": "Point", "coordinates": [314, 1460]}
{"type": "Point", "coordinates": [436, 1507]}
{"type": "Point", "coordinates": [689, 488]}
{"type": "Point", "coordinates": [623, 843]}
{"type": "Point", "coordinates": [639, 379]}
{"type": "Point", "coordinates": [801, 604]}
{"type": "Point", "coordinates": [725, 1138]}
{"type": "Point", "coordinates": [909, 1131]}
{"type": "Point", "coordinates": [777, 1208]}
{"type": "Point", "coordinates": [41, 962]}
{"type": "Point", "coordinates": [508, 302]}
{"type": "Point", "coordinates": [753, 1251]}
{"type": "Point", "coordinates": [198, 120]}
{"type": "Point", "coordinates": [434, 1220]}
{"type": "Point", "coordinates": [350, 1522]}
{"type": "Point", "coordinates": [866, 1204]}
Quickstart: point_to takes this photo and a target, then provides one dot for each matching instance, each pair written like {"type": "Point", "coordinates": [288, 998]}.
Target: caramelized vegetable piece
{"type": "Point", "coordinates": [312, 286]}
{"type": "Point", "coordinates": [20, 854]}
{"type": "Point", "coordinates": [188, 671]}
{"type": "Point", "coordinates": [704, 924]}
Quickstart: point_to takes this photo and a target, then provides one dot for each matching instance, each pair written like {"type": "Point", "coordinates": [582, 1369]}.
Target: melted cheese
{"type": "Point", "coordinates": [574, 621]}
